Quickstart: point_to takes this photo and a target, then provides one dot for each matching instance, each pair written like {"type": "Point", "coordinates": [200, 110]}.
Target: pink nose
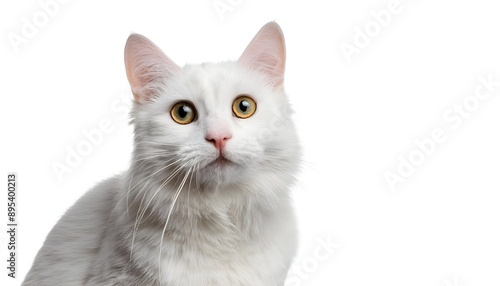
{"type": "Point", "coordinates": [218, 140]}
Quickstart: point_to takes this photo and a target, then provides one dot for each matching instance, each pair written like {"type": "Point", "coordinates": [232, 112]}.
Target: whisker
{"type": "Point", "coordinates": [131, 188]}
{"type": "Point", "coordinates": [140, 213]}
{"type": "Point", "coordinates": [128, 192]}
{"type": "Point", "coordinates": [134, 229]}
{"type": "Point", "coordinates": [179, 189]}
{"type": "Point", "coordinates": [161, 169]}
{"type": "Point", "coordinates": [170, 177]}
{"type": "Point", "coordinates": [149, 157]}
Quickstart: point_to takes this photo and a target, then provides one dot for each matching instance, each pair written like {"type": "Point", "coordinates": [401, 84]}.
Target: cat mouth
{"type": "Point", "coordinates": [221, 161]}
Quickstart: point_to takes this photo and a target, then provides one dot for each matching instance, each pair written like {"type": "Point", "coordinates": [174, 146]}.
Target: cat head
{"type": "Point", "coordinates": [215, 126]}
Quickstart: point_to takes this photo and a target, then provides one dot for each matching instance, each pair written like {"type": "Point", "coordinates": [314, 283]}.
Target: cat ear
{"type": "Point", "coordinates": [266, 53]}
{"type": "Point", "coordinates": [147, 67]}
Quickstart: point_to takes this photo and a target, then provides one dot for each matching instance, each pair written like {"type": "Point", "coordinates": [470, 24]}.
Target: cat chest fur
{"type": "Point", "coordinates": [211, 256]}
{"type": "Point", "coordinates": [222, 248]}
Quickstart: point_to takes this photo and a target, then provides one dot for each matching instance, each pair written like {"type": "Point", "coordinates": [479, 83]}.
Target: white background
{"type": "Point", "coordinates": [441, 226]}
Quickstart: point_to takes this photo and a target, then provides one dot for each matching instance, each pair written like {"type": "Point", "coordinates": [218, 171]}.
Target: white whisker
{"type": "Point", "coordinates": [136, 224]}
{"type": "Point", "coordinates": [168, 219]}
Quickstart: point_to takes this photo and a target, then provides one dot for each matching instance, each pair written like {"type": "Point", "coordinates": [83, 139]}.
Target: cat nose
{"type": "Point", "coordinates": [219, 140]}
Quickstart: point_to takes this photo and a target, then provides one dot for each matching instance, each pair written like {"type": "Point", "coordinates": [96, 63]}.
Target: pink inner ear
{"type": "Point", "coordinates": [266, 53]}
{"type": "Point", "coordinates": [147, 67]}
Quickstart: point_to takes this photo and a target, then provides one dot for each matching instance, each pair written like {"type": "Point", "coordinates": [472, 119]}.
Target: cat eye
{"type": "Point", "coordinates": [183, 112]}
{"type": "Point", "coordinates": [244, 107]}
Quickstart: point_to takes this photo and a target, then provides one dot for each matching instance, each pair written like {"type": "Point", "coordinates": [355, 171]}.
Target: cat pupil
{"type": "Point", "coordinates": [183, 111]}
{"type": "Point", "coordinates": [244, 105]}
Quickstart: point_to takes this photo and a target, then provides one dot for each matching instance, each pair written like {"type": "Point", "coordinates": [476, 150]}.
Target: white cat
{"type": "Point", "coordinates": [206, 200]}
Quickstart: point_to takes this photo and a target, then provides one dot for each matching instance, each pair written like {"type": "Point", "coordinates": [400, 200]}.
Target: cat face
{"type": "Point", "coordinates": [224, 123]}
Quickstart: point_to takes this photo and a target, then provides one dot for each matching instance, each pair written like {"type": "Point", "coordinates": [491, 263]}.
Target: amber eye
{"type": "Point", "coordinates": [244, 107]}
{"type": "Point", "coordinates": [183, 112]}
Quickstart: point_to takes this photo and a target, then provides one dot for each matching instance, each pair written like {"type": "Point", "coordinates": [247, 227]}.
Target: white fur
{"type": "Point", "coordinates": [173, 218]}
